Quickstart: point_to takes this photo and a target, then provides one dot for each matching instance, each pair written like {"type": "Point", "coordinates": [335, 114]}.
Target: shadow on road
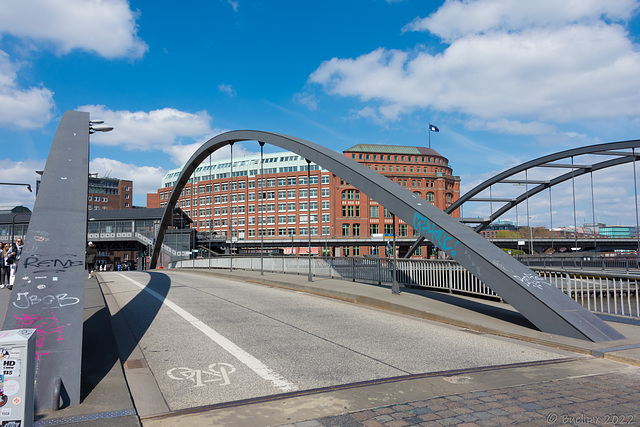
{"type": "Point", "coordinates": [100, 353]}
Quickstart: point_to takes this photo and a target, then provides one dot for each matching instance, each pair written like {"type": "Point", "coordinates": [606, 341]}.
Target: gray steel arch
{"type": "Point", "coordinates": [545, 306]}
{"type": "Point", "coordinates": [600, 149]}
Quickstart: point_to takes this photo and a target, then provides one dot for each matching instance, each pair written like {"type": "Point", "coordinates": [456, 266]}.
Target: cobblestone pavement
{"type": "Point", "coordinates": [590, 400]}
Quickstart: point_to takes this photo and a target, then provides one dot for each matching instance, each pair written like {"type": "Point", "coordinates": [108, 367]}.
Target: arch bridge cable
{"type": "Point", "coordinates": [613, 150]}
{"type": "Point", "coordinates": [545, 306]}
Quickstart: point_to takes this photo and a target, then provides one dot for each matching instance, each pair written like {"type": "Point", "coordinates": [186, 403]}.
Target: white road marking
{"type": "Point", "coordinates": [248, 360]}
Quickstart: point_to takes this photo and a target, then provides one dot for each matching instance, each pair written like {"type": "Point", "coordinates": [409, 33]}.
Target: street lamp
{"type": "Point", "coordinates": [530, 238]}
{"type": "Point", "coordinates": [13, 224]}
{"type": "Point", "coordinates": [15, 183]}
{"type": "Point", "coordinates": [93, 128]}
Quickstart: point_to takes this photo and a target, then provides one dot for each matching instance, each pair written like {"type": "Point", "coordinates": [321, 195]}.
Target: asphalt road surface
{"type": "Point", "coordinates": [210, 340]}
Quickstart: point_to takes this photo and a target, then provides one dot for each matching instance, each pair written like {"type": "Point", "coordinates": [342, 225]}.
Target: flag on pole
{"type": "Point", "coordinates": [433, 128]}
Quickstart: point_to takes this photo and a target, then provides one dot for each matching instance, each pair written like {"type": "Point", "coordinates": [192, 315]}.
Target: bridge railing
{"type": "Point", "coordinates": [610, 293]}
{"type": "Point", "coordinates": [583, 262]}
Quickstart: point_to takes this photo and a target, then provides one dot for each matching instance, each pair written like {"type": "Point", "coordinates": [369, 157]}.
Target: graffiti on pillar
{"type": "Point", "coordinates": [45, 327]}
{"type": "Point", "coordinates": [434, 233]}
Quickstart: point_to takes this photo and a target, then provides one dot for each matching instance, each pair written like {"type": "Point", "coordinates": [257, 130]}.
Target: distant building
{"type": "Point", "coordinates": [6, 208]}
{"type": "Point", "coordinates": [109, 193]}
{"type": "Point", "coordinates": [593, 229]}
{"type": "Point", "coordinates": [492, 230]}
{"type": "Point", "coordinates": [225, 198]}
{"type": "Point", "coordinates": [618, 231]}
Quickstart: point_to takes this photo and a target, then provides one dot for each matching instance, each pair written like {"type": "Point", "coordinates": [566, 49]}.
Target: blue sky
{"type": "Point", "coordinates": [505, 81]}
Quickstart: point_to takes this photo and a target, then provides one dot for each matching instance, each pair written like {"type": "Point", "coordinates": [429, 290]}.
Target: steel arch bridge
{"type": "Point", "coordinates": [545, 306]}
{"type": "Point", "coordinates": [617, 152]}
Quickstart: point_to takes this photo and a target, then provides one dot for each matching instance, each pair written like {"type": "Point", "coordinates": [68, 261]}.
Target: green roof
{"type": "Point", "coordinates": [392, 149]}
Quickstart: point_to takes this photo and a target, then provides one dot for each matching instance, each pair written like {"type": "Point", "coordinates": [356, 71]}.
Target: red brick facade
{"type": "Point", "coordinates": [336, 209]}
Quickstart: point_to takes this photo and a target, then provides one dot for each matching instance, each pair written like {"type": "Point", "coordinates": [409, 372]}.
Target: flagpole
{"type": "Point", "coordinates": [429, 136]}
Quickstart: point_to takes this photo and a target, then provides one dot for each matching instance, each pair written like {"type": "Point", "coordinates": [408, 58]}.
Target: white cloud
{"type": "Point", "coordinates": [106, 27]}
{"type": "Point", "coordinates": [234, 4]}
{"type": "Point", "coordinates": [23, 172]}
{"type": "Point", "coordinates": [457, 19]}
{"type": "Point", "coordinates": [181, 153]}
{"type": "Point", "coordinates": [161, 130]}
{"type": "Point", "coordinates": [307, 99]}
{"type": "Point", "coordinates": [512, 127]}
{"type": "Point", "coordinates": [146, 179]}
{"type": "Point", "coordinates": [539, 62]}
{"type": "Point", "coordinates": [22, 108]}
{"type": "Point", "coordinates": [228, 89]}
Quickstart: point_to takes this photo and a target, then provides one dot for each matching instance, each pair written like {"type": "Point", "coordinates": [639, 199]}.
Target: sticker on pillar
{"type": "Point", "coordinates": [11, 387]}
{"type": "Point", "coordinates": [11, 367]}
{"type": "Point", "coordinates": [7, 413]}
{"type": "Point", "coordinates": [3, 397]}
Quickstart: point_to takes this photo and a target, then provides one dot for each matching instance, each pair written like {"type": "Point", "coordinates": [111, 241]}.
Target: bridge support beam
{"type": "Point", "coordinates": [48, 293]}
{"type": "Point", "coordinates": [541, 303]}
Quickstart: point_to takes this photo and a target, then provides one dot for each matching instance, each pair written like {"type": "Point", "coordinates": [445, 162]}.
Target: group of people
{"type": "Point", "coordinates": [9, 263]}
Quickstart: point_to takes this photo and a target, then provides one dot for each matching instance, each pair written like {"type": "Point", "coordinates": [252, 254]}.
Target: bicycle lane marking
{"type": "Point", "coordinates": [245, 358]}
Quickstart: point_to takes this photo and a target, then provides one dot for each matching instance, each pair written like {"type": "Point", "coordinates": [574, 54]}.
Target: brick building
{"type": "Point", "coordinates": [109, 193]}
{"type": "Point", "coordinates": [225, 198]}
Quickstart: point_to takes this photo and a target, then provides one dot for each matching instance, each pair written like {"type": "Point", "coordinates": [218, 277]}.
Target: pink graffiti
{"type": "Point", "coordinates": [43, 325]}
{"type": "Point", "coordinates": [38, 354]}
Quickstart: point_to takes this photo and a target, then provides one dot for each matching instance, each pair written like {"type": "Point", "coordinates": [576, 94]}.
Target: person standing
{"type": "Point", "coordinates": [16, 251]}
{"type": "Point", "coordinates": [90, 258]}
{"type": "Point", "coordinates": [5, 265]}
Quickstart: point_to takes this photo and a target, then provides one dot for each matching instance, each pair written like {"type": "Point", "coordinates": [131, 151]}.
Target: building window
{"type": "Point", "coordinates": [351, 211]}
{"type": "Point", "coordinates": [350, 195]}
{"type": "Point", "coordinates": [430, 197]}
{"type": "Point", "coordinates": [345, 230]}
{"type": "Point", "coordinates": [374, 212]}
{"type": "Point", "coordinates": [373, 229]}
{"type": "Point", "coordinates": [356, 230]}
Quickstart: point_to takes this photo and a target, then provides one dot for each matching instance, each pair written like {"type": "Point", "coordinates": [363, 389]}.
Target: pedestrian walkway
{"type": "Point", "coordinates": [612, 399]}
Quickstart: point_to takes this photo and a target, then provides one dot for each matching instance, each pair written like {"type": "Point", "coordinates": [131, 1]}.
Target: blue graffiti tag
{"type": "Point", "coordinates": [437, 235]}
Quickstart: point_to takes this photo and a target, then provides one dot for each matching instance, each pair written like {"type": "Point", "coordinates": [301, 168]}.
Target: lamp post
{"type": "Point", "coordinates": [13, 224]}
{"type": "Point", "coordinates": [310, 277]}
{"type": "Point", "coordinates": [530, 238]}
{"type": "Point", "coordinates": [16, 183]}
